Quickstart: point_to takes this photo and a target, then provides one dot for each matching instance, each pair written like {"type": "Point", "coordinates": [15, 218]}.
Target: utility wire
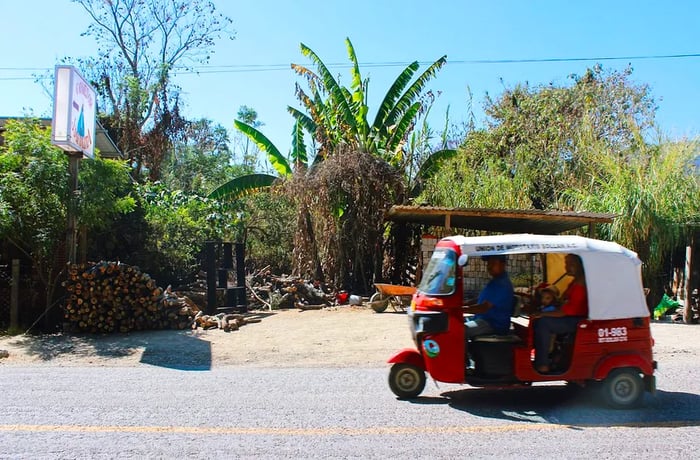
{"type": "Point", "coordinates": [244, 68]}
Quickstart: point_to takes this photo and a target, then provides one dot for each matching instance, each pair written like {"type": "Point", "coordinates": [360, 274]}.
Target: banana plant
{"type": "Point", "coordinates": [344, 112]}
{"type": "Point", "coordinates": [241, 186]}
{"type": "Point", "coordinates": [335, 115]}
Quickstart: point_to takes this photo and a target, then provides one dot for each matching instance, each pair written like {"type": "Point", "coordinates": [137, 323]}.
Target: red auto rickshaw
{"type": "Point", "coordinates": [613, 346]}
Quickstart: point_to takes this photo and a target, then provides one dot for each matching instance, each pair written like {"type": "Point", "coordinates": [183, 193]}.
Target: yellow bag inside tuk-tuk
{"type": "Point", "coordinates": [556, 271]}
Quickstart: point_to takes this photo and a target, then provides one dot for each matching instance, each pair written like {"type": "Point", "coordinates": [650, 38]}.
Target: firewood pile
{"type": "Point", "coordinates": [226, 321]}
{"type": "Point", "coordinates": [270, 292]}
{"type": "Point", "coordinates": [116, 297]}
{"type": "Point", "coordinates": [267, 291]}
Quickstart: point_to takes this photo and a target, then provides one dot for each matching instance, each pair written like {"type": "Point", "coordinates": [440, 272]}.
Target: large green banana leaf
{"type": "Point", "coordinates": [331, 85]}
{"type": "Point", "coordinates": [430, 167]}
{"type": "Point", "coordinates": [396, 136]}
{"type": "Point", "coordinates": [393, 94]}
{"type": "Point", "coordinates": [306, 121]}
{"type": "Point", "coordinates": [358, 92]}
{"type": "Point", "coordinates": [278, 161]}
{"type": "Point", "coordinates": [412, 93]}
{"type": "Point", "coordinates": [298, 146]}
{"type": "Point", "coordinates": [243, 185]}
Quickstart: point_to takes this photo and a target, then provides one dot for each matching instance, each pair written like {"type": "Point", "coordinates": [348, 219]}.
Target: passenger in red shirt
{"type": "Point", "coordinates": [566, 318]}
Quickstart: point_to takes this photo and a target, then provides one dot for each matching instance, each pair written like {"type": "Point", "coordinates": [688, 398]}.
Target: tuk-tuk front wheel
{"type": "Point", "coordinates": [623, 388]}
{"type": "Point", "coordinates": [406, 380]}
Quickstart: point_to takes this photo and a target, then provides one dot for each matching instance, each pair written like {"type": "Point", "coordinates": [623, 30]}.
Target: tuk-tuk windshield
{"type": "Point", "coordinates": [439, 277]}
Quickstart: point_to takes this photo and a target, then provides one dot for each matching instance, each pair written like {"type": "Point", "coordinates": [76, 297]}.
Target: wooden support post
{"type": "Point", "coordinates": [231, 297]}
{"type": "Point", "coordinates": [222, 275]}
{"type": "Point", "coordinates": [687, 273]}
{"type": "Point", "coordinates": [240, 277]}
{"type": "Point", "coordinates": [228, 256]}
{"type": "Point", "coordinates": [72, 230]}
{"type": "Point", "coordinates": [210, 261]}
{"type": "Point", "coordinates": [14, 296]}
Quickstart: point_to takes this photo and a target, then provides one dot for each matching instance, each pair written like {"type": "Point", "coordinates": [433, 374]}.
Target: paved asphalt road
{"type": "Point", "coordinates": [234, 412]}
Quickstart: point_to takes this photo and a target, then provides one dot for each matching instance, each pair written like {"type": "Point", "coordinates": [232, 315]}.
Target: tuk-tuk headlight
{"type": "Point", "coordinates": [432, 302]}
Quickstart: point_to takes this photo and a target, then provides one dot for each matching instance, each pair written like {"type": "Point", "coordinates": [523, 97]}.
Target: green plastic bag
{"type": "Point", "coordinates": [664, 306]}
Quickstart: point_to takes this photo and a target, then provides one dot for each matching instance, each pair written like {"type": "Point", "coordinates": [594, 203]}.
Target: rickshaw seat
{"type": "Point", "coordinates": [497, 338]}
{"type": "Point", "coordinates": [493, 353]}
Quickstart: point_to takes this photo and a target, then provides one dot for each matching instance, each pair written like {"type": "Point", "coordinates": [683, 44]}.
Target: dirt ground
{"type": "Point", "coordinates": [332, 337]}
{"type": "Point", "coordinates": [336, 336]}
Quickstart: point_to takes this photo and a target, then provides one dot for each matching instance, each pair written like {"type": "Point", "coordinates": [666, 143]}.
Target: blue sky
{"type": "Point", "coordinates": [36, 34]}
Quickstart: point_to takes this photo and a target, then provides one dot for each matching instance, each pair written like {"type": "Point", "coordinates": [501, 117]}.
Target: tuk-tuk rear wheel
{"type": "Point", "coordinates": [623, 388]}
{"type": "Point", "coordinates": [406, 380]}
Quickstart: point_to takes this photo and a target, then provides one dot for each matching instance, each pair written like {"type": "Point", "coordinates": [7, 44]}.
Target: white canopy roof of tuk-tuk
{"type": "Point", "coordinates": [613, 273]}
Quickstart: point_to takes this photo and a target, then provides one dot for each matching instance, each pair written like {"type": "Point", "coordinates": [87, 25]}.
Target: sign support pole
{"type": "Point", "coordinates": [72, 231]}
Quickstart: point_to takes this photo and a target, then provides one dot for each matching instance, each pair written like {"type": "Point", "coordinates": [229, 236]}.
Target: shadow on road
{"type": "Point", "coordinates": [176, 349]}
{"type": "Point", "coordinates": [565, 405]}
{"type": "Point", "coordinates": [182, 351]}
{"type": "Point", "coordinates": [172, 349]}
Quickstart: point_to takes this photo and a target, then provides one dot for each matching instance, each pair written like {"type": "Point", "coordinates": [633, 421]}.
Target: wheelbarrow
{"type": "Point", "coordinates": [391, 294]}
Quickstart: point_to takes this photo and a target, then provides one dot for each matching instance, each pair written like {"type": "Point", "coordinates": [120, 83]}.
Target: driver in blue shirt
{"type": "Point", "coordinates": [493, 308]}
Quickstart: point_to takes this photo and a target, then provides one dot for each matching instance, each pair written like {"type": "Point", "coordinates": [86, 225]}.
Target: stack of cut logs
{"type": "Point", "coordinates": [267, 291]}
{"type": "Point", "coordinates": [115, 297]}
{"type": "Point", "coordinates": [226, 321]}
{"type": "Point", "coordinates": [273, 292]}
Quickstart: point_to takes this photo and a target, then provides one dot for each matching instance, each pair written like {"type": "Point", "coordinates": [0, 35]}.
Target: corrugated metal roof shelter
{"type": "Point", "coordinates": [499, 220]}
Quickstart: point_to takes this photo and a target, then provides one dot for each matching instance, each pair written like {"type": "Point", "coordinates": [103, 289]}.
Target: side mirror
{"type": "Point", "coordinates": [462, 261]}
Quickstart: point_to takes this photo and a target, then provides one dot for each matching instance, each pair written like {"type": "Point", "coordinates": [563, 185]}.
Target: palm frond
{"type": "Point", "coordinates": [331, 85]}
{"type": "Point", "coordinates": [278, 161]}
{"type": "Point", "coordinates": [298, 147]}
{"type": "Point", "coordinates": [242, 185]}
{"type": "Point", "coordinates": [393, 94]}
{"type": "Point", "coordinates": [413, 92]}
{"type": "Point", "coordinates": [398, 131]}
{"type": "Point", "coordinates": [307, 73]}
{"type": "Point", "coordinates": [303, 119]}
{"type": "Point", "coordinates": [430, 165]}
{"type": "Point", "coordinates": [358, 92]}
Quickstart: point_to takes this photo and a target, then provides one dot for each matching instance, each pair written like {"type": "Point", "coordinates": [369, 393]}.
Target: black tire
{"type": "Point", "coordinates": [378, 302]}
{"type": "Point", "coordinates": [623, 389]}
{"type": "Point", "coordinates": [406, 380]}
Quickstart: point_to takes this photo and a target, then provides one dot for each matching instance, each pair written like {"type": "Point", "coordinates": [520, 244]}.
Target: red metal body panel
{"type": "Point", "coordinates": [599, 347]}
{"type": "Point", "coordinates": [624, 360]}
{"type": "Point", "coordinates": [448, 364]}
{"type": "Point", "coordinates": [445, 360]}
{"type": "Point", "coordinates": [408, 356]}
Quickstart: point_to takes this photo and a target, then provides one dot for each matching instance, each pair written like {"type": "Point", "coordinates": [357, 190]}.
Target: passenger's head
{"type": "Point", "coordinates": [549, 295]}
{"type": "Point", "coordinates": [495, 265]}
{"type": "Point", "coordinates": [573, 265]}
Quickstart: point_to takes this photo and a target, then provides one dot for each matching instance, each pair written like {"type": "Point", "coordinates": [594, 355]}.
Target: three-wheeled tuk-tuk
{"type": "Point", "coordinates": [612, 346]}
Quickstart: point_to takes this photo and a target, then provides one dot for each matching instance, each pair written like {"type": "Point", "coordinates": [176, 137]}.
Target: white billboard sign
{"type": "Point", "coordinates": [74, 110]}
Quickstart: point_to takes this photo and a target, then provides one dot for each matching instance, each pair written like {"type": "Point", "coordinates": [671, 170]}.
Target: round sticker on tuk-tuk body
{"type": "Point", "coordinates": [431, 347]}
